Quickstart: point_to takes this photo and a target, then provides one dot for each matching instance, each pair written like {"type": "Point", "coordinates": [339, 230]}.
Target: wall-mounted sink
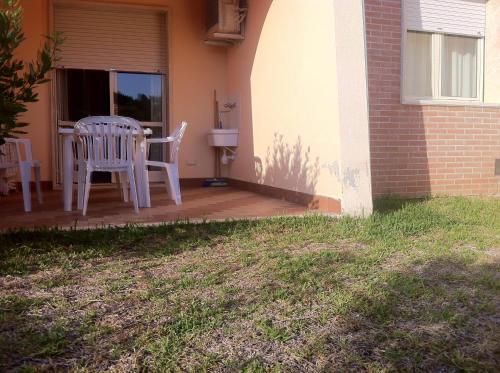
{"type": "Point", "coordinates": [223, 137]}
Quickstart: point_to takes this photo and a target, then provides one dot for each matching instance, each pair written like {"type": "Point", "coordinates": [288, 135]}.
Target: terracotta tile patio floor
{"type": "Point", "coordinates": [107, 208]}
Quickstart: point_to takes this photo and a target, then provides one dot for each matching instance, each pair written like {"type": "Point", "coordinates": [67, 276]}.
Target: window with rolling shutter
{"type": "Point", "coordinates": [463, 17]}
{"type": "Point", "coordinates": [107, 38]}
{"type": "Point", "coordinates": [443, 50]}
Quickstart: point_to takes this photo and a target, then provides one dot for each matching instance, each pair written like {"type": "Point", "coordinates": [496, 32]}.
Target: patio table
{"type": "Point", "coordinates": [68, 135]}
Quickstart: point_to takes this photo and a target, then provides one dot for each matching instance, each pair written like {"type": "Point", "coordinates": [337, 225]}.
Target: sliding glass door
{"type": "Point", "coordinates": [141, 96]}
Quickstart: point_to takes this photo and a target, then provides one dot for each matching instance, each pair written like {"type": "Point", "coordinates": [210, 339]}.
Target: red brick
{"type": "Point", "coordinates": [422, 150]}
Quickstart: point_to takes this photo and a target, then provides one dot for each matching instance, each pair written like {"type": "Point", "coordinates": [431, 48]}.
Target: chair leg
{"type": "Point", "coordinates": [169, 189]}
{"type": "Point", "coordinates": [4, 183]}
{"type": "Point", "coordinates": [87, 192]}
{"type": "Point", "coordinates": [25, 181]}
{"type": "Point", "coordinates": [81, 185]}
{"type": "Point", "coordinates": [145, 191]}
{"type": "Point", "coordinates": [123, 181]}
{"type": "Point", "coordinates": [133, 189]}
{"type": "Point", "coordinates": [38, 186]}
{"type": "Point", "coordinates": [117, 181]}
{"type": "Point", "coordinates": [173, 179]}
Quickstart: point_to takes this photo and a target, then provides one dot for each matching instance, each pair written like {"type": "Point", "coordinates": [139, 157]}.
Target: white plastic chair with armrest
{"type": "Point", "coordinates": [18, 154]}
{"type": "Point", "coordinates": [171, 168]}
{"type": "Point", "coordinates": [106, 144]}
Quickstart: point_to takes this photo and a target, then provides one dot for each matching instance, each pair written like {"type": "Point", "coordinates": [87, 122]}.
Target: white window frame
{"type": "Point", "coordinates": [437, 47]}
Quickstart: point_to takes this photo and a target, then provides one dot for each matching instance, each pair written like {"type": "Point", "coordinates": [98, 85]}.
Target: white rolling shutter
{"type": "Point", "coordinates": [105, 38]}
{"type": "Point", "coordinates": [463, 17]}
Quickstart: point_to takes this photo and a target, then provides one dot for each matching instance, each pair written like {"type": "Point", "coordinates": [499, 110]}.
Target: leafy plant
{"type": "Point", "coordinates": [18, 79]}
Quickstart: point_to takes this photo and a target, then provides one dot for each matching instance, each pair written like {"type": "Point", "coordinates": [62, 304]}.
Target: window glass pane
{"type": "Point", "coordinates": [82, 93]}
{"type": "Point", "coordinates": [418, 64]}
{"type": "Point", "coordinates": [459, 67]}
{"type": "Point", "coordinates": [139, 96]}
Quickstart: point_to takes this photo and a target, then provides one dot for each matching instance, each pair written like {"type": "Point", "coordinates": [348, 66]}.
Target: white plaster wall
{"type": "Point", "coordinates": [355, 172]}
{"type": "Point", "coordinates": [492, 53]}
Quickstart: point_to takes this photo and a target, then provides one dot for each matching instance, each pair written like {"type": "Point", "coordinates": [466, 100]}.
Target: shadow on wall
{"type": "Point", "coordinates": [288, 166]}
{"type": "Point", "coordinates": [288, 96]}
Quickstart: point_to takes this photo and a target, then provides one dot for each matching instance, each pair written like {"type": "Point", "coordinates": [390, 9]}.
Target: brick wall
{"type": "Point", "coordinates": [422, 150]}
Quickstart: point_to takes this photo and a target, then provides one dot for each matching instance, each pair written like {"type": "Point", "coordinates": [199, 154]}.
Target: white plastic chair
{"type": "Point", "coordinates": [106, 143]}
{"type": "Point", "coordinates": [79, 172]}
{"type": "Point", "coordinates": [12, 158]}
{"type": "Point", "coordinates": [171, 169]}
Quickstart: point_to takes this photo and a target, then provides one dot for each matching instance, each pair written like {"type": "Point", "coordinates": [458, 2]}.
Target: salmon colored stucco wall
{"type": "Point", "coordinates": [285, 74]}
{"type": "Point", "coordinates": [195, 71]}
{"type": "Point", "coordinates": [492, 52]}
{"type": "Point", "coordinates": [36, 24]}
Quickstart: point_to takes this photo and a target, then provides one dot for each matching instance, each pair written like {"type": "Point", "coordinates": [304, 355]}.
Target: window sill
{"type": "Point", "coordinates": [450, 103]}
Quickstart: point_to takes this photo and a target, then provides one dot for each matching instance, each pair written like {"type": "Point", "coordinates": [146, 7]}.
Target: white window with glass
{"type": "Point", "coordinates": [443, 51]}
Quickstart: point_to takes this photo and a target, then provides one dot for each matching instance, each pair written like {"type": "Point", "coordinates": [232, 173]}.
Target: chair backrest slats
{"type": "Point", "coordinates": [122, 141]}
{"type": "Point", "coordinates": [12, 153]}
{"type": "Point", "coordinates": [107, 140]}
{"type": "Point", "coordinates": [8, 154]}
{"type": "Point", "coordinates": [9, 159]}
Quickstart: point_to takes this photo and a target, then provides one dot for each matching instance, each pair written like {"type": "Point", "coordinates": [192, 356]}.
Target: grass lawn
{"type": "Point", "coordinates": [416, 287]}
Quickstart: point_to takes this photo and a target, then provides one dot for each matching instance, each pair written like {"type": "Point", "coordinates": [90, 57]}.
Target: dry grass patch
{"type": "Point", "coordinates": [414, 288]}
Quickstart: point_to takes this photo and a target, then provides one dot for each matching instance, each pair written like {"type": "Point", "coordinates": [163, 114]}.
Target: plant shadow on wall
{"type": "Point", "coordinates": [288, 166]}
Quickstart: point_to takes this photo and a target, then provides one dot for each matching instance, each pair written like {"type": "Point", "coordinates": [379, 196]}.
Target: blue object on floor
{"type": "Point", "coordinates": [215, 183]}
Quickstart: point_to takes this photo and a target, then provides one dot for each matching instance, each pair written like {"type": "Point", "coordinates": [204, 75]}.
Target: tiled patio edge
{"type": "Point", "coordinates": [313, 202]}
